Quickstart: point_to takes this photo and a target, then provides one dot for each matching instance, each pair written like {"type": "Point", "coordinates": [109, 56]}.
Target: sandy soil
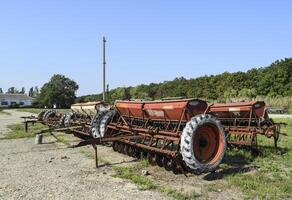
{"type": "Point", "coordinates": [13, 117]}
{"type": "Point", "coordinates": [53, 171]}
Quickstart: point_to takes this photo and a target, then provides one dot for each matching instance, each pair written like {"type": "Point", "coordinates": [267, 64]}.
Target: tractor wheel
{"type": "Point", "coordinates": [61, 121]}
{"type": "Point", "coordinates": [95, 124]}
{"type": "Point", "coordinates": [105, 120]}
{"type": "Point", "coordinates": [48, 115]}
{"type": "Point", "coordinates": [68, 119]}
{"type": "Point", "coordinates": [44, 115]}
{"type": "Point", "coordinates": [203, 144]}
{"type": "Point", "coordinates": [41, 114]}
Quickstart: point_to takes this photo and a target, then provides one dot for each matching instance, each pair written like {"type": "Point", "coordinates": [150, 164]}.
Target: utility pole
{"type": "Point", "coordinates": [103, 94]}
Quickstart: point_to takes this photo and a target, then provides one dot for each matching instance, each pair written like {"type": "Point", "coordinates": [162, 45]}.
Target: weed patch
{"type": "Point", "coordinates": [17, 131]}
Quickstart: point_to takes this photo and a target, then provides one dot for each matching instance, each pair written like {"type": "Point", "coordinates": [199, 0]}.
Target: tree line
{"type": "Point", "coordinates": [272, 84]}
{"type": "Point", "coordinates": [33, 91]}
{"type": "Point", "coordinates": [274, 81]}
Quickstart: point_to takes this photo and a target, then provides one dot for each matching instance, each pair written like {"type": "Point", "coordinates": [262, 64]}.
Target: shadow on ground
{"type": "Point", "coordinates": [241, 161]}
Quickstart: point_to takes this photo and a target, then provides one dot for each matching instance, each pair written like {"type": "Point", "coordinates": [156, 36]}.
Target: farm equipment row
{"type": "Point", "coordinates": [180, 135]}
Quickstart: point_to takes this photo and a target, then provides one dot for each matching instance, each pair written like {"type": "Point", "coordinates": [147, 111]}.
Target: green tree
{"type": "Point", "coordinates": [35, 91]}
{"type": "Point", "coordinates": [271, 81]}
{"type": "Point", "coordinates": [230, 93]}
{"type": "Point", "coordinates": [59, 91]}
{"type": "Point", "coordinates": [12, 90]}
{"type": "Point", "coordinates": [22, 91]}
{"type": "Point", "coordinates": [1, 91]}
{"type": "Point", "coordinates": [30, 92]}
{"type": "Point", "coordinates": [247, 93]}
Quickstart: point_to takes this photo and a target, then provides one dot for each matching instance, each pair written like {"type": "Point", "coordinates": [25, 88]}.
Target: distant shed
{"type": "Point", "coordinates": [21, 100]}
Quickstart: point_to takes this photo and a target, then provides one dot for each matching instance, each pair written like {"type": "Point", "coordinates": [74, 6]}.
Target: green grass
{"type": "Point", "coordinates": [38, 110]}
{"type": "Point", "coordinates": [132, 173]}
{"type": "Point", "coordinates": [90, 154]}
{"type": "Point", "coordinates": [17, 131]}
{"type": "Point", "coordinates": [62, 139]}
{"type": "Point", "coordinates": [266, 176]}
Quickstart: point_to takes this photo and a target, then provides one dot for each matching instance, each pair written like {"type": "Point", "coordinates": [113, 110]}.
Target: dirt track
{"type": "Point", "coordinates": [52, 171]}
{"type": "Point", "coordinates": [13, 117]}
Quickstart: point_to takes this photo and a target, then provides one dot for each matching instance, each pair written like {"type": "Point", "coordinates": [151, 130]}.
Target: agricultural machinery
{"type": "Point", "coordinates": [181, 135]}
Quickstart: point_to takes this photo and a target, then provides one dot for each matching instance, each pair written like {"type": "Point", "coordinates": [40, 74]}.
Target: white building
{"type": "Point", "coordinates": [21, 100]}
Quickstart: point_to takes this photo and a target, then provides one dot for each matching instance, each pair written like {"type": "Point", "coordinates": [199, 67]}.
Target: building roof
{"type": "Point", "coordinates": [15, 97]}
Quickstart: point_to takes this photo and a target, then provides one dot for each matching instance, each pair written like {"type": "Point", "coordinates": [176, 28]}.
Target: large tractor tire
{"type": "Point", "coordinates": [62, 121]}
{"type": "Point", "coordinates": [44, 114]}
{"type": "Point", "coordinates": [68, 118]}
{"type": "Point", "coordinates": [100, 122]}
{"type": "Point", "coordinates": [95, 124]}
{"type": "Point", "coordinates": [41, 114]}
{"type": "Point", "coordinates": [48, 115]}
{"type": "Point", "coordinates": [105, 120]}
{"type": "Point", "coordinates": [203, 144]}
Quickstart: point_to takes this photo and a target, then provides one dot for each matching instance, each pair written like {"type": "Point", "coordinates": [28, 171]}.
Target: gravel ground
{"type": "Point", "coordinates": [14, 117]}
{"type": "Point", "coordinates": [52, 171]}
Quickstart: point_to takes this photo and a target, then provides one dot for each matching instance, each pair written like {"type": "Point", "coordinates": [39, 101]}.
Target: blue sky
{"type": "Point", "coordinates": [148, 41]}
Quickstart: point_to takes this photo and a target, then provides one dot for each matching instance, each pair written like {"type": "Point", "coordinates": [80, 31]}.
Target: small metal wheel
{"type": "Point", "coordinates": [174, 167]}
{"type": "Point", "coordinates": [115, 146]}
{"type": "Point", "coordinates": [130, 151]}
{"type": "Point", "coordinates": [159, 160]}
{"type": "Point", "coordinates": [137, 153]}
{"type": "Point", "coordinates": [151, 158]}
{"type": "Point", "coordinates": [167, 163]}
{"type": "Point", "coordinates": [125, 149]}
{"type": "Point", "coordinates": [120, 147]}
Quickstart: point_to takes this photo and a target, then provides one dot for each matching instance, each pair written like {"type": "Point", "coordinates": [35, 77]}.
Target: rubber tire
{"type": "Point", "coordinates": [95, 123]}
{"type": "Point", "coordinates": [105, 120]}
{"type": "Point", "coordinates": [41, 114]}
{"type": "Point", "coordinates": [68, 118]}
{"type": "Point", "coordinates": [44, 115]}
{"type": "Point", "coordinates": [61, 121]}
{"type": "Point", "coordinates": [100, 122]}
{"type": "Point", "coordinates": [187, 139]}
{"type": "Point", "coordinates": [49, 114]}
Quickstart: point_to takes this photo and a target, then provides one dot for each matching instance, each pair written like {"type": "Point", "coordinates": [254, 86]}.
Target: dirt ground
{"type": "Point", "coordinates": [53, 171]}
{"type": "Point", "coordinates": [13, 117]}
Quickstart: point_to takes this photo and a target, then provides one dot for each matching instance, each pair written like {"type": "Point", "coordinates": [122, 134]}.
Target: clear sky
{"type": "Point", "coordinates": [148, 41]}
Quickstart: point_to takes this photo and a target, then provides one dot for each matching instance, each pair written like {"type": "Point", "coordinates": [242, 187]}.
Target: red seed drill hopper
{"type": "Point", "coordinates": [175, 134]}
{"type": "Point", "coordinates": [243, 121]}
